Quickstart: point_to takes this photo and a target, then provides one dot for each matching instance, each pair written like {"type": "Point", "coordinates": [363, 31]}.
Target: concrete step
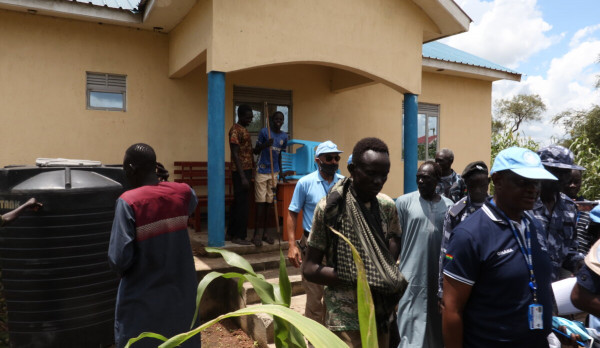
{"type": "Point", "coordinates": [260, 263]}
{"type": "Point", "coordinates": [199, 241]}
{"type": "Point", "coordinates": [272, 276]}
{"type": "Point", "coordinates": [260, 326]}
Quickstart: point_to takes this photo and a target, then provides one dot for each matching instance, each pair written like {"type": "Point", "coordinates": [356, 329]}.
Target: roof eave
{"type": "Point", "coordinates": [447, 15]}
{"type": "Point", "coordinates": [466, 70]}
{"type": "Point", "coordinates": [74, 10]}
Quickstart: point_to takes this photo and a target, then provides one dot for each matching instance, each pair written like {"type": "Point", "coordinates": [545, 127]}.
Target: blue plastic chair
{"type": "Point", "coordinates": [302, 161]}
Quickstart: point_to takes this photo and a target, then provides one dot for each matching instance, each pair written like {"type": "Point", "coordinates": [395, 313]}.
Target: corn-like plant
{"type": "Point", "coordinates": [290, 327]}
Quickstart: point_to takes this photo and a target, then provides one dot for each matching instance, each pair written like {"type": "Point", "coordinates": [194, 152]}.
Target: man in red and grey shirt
{"type": "Point", "coordinates": [151, 252]}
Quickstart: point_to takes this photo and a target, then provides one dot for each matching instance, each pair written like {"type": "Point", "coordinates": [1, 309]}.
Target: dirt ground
{"type": "Point", "coordinates": [226, 334]}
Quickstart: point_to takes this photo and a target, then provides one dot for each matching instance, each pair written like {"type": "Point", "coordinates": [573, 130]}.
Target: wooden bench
{"type": "Point", "coordinates": [195, 174]}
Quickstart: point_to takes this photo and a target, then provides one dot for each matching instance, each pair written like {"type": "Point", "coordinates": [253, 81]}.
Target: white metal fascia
{"type": "Point", "coordinates": [442, 66]}
{"type": "Point", "coordinates": [74, 10]}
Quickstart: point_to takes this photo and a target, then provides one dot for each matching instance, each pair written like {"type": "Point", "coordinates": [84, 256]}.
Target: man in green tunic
{"type": "Point", "coordinates": [421, 216]}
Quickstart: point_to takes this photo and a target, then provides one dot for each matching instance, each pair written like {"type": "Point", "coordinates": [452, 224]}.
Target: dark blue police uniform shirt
{"type": "Point", "coordinates": [485, 254]}
{"type": "Point", "coordinates": [589, 280]}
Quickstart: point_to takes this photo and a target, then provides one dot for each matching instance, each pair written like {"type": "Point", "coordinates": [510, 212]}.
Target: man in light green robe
{"type": "Point", "coordinates": [421, 216]}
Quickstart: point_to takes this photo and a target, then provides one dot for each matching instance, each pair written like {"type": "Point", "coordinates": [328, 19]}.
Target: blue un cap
{"type": "Point", "coordinates": [327, 147]}
{"type": "Point", "coordinates": [523, 162]}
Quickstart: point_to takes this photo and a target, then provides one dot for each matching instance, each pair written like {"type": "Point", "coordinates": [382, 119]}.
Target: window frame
{"type": "Point", "coordinates": [429, 110]}
{"type": "Point", "coordinates": [105, 83]}
{"type": "Point", "coordinates": [259, 96]}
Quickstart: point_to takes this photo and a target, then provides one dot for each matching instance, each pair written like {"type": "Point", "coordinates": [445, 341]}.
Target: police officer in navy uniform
{"type": "Point", "coordinates": [475, 176]}
{"type": "Point", "coordinates": [558, 213]}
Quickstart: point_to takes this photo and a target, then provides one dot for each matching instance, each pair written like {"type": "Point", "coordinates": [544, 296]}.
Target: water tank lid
{"type": "Point", "coordinates": [65, 162]}
{"type": "Point", "coordinates": [76, 179]}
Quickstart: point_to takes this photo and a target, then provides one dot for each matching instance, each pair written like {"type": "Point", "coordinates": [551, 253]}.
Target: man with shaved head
{"type": "Point", "coordinates": [150, 251]}
{"type": "Point", "coordinates": [421, 216]}
{"type": "Point", "coordinates": [445, 158]}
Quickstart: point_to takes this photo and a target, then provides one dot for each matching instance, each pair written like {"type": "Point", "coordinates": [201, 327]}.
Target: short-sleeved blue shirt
{"type": "Point", "coordinates": [484, 253]}
{"type": "Point", "coordinates": [308, 192]}
{"type": "Point", "coordinates": [279, 144]}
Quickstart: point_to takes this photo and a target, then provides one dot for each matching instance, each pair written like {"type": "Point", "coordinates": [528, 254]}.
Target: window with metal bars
{"type": "Point", "coordinates": [106, 91]}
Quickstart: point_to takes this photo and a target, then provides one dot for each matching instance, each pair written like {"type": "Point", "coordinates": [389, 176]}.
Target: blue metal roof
{"type": "Point", "coordinates": [440, 51]}
{"type": "Point", "coordinates": [130, 5]}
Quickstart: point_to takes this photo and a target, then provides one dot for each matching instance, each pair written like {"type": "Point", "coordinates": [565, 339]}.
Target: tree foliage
{"type": "Point", "coordinates": [580, 124]}
{"type": "Point", "coordinates": [518, 109]}
{"type": "Point", "coordinates": [583, 138]}
{"type": "Point", "coordinates": [504, 140]}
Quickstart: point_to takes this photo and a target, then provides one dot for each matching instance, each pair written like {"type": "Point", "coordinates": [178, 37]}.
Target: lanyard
{"type": "Point", "coordinates": [525, 247]}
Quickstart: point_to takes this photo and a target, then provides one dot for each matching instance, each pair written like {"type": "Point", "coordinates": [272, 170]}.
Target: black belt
{"type": "Point", "coordinates": [306, 233]}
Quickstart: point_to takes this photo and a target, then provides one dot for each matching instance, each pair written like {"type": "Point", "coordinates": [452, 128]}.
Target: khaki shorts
{"type": "Point", "coordinates": [262, 188]}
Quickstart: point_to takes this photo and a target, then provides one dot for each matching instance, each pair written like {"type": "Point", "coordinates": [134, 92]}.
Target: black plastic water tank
{"type": "Point", "coordinates": [58, 287]}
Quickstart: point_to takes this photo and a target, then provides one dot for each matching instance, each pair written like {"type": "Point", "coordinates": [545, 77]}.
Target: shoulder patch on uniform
{"type": "Point", "coordinates": [458, 208]}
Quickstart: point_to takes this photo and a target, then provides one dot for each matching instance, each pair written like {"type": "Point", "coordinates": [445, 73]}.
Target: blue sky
{"type": "Point", "coordinates": [555, 44]}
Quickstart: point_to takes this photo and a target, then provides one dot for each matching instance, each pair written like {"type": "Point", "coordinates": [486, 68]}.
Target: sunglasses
{"type": "Point", "coordinates": [329, 158]}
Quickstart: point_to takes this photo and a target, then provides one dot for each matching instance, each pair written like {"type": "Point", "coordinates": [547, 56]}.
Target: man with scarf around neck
{"type": "Point", "coordinates": [421, 218]}
{"type": "Point", "coordinates": [308, 192]}
{"type": "Point", "coordinates": [356, 208]}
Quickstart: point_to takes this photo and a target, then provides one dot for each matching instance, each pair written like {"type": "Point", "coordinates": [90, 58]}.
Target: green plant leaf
{"type": "Point", "coordinates": [315, 333]}
{"type": "Point", "coordinates": [286, 335]}
{"type": "Point", "coordinates": [285, 287]}
{"type": "Point", "coordinates": [263, 289]}
{"type": "Point", "coordinates": [204, 284]}
{"type": "Point", "coordinates": [366, 308]}
{"type": "Point", "coordinates": [233, 259]}
{"type": "Point", "coordinates": [145, 335]}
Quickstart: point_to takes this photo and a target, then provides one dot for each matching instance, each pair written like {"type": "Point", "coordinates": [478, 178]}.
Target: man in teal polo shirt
{"type": "Point", "coordinates": [308, 192]}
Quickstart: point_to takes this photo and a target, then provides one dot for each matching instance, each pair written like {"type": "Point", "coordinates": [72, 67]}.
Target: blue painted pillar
{"type": "Point", "coordinates": [216, 159]}
{"type": "Point", "coordinates": [411, 111]}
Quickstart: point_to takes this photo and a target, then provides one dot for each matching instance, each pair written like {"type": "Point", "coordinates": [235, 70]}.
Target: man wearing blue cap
{"type": "Point", "coordinates": [497, 284]}
{"type": "Point", "coordinates": [558, 213]}
{"type": "Point", "coordinates": [308, 192]}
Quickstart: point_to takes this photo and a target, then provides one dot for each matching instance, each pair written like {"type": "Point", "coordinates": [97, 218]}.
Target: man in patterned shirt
{"type": "Point", "coordinates": [356, 208]}
{"type": "Point", "coordinates": [558, 213]}
{"type": "Point", "coordinates": [240, 145]}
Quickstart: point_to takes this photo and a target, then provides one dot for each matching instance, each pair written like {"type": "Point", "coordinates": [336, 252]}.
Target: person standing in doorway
{"type": "Point", "coordinates": [240, 145]}
{"type": "Point", "coordinates": [308, 192]}
{"type": "Point", "coordinates": [263, 181]}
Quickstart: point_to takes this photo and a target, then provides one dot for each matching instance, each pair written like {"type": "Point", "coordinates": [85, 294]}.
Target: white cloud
{"type": "Point", "coordinates": [582, 33]}
{"type": "Point", "coordinates": [569, 84]}
{"type": "Point", "coordinates": [506, 32]}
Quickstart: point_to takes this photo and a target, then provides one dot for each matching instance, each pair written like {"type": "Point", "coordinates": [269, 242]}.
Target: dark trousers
{"type": "Point", "coordinates": [238, 213]}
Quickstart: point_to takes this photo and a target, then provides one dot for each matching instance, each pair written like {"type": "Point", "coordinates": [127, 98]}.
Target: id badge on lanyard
{"type": "Point", "coordinates": [535, 312]}
{"type": "Point", "coordinates": [536, 317]}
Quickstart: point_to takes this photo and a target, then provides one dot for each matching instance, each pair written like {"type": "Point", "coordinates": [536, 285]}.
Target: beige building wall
{"type": "Point", "coordinates": [377, 39]}
{"type": "Point", "coordinates": [43, 64]}
{"type": "Point", "coordinates": [465, 116]}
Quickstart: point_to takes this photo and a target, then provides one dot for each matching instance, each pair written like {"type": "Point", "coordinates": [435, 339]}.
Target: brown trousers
{"type": "Point", "coordinates": [315, 305]}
